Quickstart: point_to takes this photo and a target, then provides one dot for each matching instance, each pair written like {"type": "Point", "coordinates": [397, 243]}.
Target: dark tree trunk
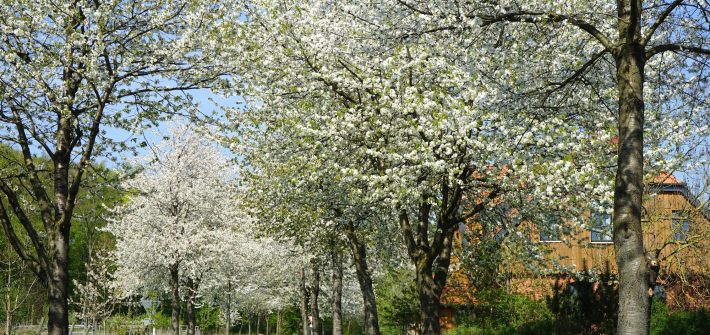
{"type": "Point", "coordinates": [192, 286]}
{"type": "Point", "coordinates": [304, 303]}
{"type": "Point", "coordinates": [175, 290]}
{"type": "Point", "coordinates": [315, 291]}
{"type": "Point", "coordinates": [431, 278]}
{"type": "Point", "coordinates": [359, 253]}
{"type": "Point", "coordinates": [337, 303]}
{"type": "Point", "coordinates": [191, 317]}
{"type": "Point", "coordinates": [58, 286]}
{"type": "Point", "coordinates": [634, 305]}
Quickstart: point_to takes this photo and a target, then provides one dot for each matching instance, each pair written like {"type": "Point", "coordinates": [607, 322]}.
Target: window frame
{"type": "Point", "coordinates": [599, 221]}
{"type": "Point", "coordinates": [545, 240]}
{"type": "Point", "coordinates": [680, 226]}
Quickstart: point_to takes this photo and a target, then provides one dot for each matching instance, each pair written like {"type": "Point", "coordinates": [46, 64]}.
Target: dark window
{"type": "Point", "coordinates": [549, 236]}
{"type": "Point", "coordinates": [549, 231]}
{"type": "Point", "coordinates": [680, 226]}
{"type": "Point", "coordinates": [601, 227]}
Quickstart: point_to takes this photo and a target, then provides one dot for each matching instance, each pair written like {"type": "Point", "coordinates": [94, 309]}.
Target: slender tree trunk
{"type": "Point", "coordinates": [58, 284]}
{"type": "Point", "coordinates": [258, 325]}
{"type": "Point", "coordinates": [359, 253]}
{"type": "Point", "coordinates": [8, 318]}
{"type": "Point", "coordinates": [304, 303]}
{"type": "Point", "coordinates": [192, 286]}
{"type": "Point", "coordinates": [175, 289]}
{"type": "Point", "coordinates": [267, 319]}
{"type": "Point", "coordinates": [249, 326]}
{"type": "Point", "coordinates": [315, 291]}
{"type": "Point", "coordinates": [278, 322]}
{"type": "Point", "coordinates": [634, 305]}
{"type": "Point", "coordinates": [229, 307]}
{"type": "Point", "coordinates": [86, 326]}
{"type": "Point", "coordinates": [337, 303]}
{"type": "Point", "coordinates": [191, 317]}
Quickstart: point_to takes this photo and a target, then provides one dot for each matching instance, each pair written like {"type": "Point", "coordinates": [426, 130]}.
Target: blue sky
{"type": "Point", "coordinates": [208, 103]}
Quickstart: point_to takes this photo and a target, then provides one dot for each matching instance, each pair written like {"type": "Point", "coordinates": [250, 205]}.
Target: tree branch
{"type": "Point", "coordinates": [16, 244]}
{"type": "Point", "coordinates": [38, 189]}
{"type": "Point", "coordinates": [661, 18]}
{"type": "Point", "coordinates": [675, 47]}
{"type": "Point", "coordinates": [537, 17]}
{"type": "Point", "coordinates": [26, 224]}
{"type": "Point", "coordinates": [407, 234]}
{"type": "Point", "coordinates": [83, 163]}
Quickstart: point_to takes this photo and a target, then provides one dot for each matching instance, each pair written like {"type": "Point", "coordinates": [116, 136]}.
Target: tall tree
{"type": "Point", "coordinates": [69, 69]}
{"type": "Point", "coordinates": [409, 126]}
{"type": "Point", "coordinates": [182, 217]}
{"type": "Point", "coordinates": [633, 46]}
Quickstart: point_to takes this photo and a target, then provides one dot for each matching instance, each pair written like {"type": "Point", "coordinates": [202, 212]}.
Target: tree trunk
{"type": "Point", "coordinates": [315, 291]}
{"type": "Point", "coordinates": [429, 303]}
{"type": "Point", "coordinates": [192, 286]}
{"type": "Point", "coordinates": [175, 289]}
{"type": "Point", "coordinates": [634, 305]}
{"type": "Point", "coordinates": [364, 278]}
{"type": "Point", "coordinates": [337, 303]}
{"type": "Point", "coordinates": [58, 285]}
{"type": "Point", "coordinates": [8, 320]}
{"type": "Point", "coordinates": [191, 317]}
{"type": "Point", "coordinates": [304, 303]}
{"type": "Point", "coordinates": [278, 322]}
{"type": "Point", "coordinates": [229, 307]}
{"type": "Point", "coordinates": [258, 319]}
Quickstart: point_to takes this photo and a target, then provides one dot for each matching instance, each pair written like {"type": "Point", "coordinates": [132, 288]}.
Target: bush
{"type": "Point", "coordinates": [585, 307]}
{"type": "Point", "coordinates": [498, 312]}
{"type": "Point", "coordinates": [162, 321]}
{"type": "Point", "coordinates": [692, 322]}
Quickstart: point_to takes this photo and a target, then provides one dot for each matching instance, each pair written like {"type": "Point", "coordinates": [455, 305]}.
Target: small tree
{"type": "Point", "coordinates": [97, 295]}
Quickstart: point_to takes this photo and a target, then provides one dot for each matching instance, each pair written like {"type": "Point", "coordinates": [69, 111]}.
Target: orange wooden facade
{"type": "Point", "coordinates": [666, 207]}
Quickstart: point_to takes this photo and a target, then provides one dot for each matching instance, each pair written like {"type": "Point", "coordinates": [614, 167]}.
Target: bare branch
{"type": "Point", "coordinates": [661, 18]}
{"type": "Point", "coordinates": [537, 17]}
{"type": "Point", "coordinates": [675, 47]}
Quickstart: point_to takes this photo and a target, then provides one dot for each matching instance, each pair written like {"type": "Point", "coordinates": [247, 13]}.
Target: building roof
{"type": "Point", "coordinates": [665, 178]}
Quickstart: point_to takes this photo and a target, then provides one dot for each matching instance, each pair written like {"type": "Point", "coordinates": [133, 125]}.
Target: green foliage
{"type": "Point", "coordinates": [397, 301]}
{"type": "Point", "coordinates": [161, 320]}
{"type": "Point", "coordinates": [497, 310]}
{"type": "Point", "coordinates": [291, 319]}
{"type": "Point", "coordinates": [208, 318]}
{"type": "Point", "coordinates": [121, 324]}
{"type": "Point", "coordinates": [585, 307]}
{"type": "Point", "coordinates": [664, 322]}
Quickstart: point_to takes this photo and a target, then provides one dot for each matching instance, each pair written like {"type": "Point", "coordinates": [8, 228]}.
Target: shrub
{"type": "Point", "coordinates": [690, 322]}
{"type": "Point", "coordinates": [498, 312]}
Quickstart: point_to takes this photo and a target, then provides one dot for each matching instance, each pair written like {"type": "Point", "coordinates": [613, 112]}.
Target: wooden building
{"type": "Point", "coordinates": [676, 229]}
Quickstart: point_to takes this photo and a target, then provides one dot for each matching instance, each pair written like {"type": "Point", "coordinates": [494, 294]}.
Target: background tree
{"type": "Point", "coordinates": [409, 123]}
{"type": "Point", "coordinates": [68, 70]}
{"type": "Point", "coordinates": [182, 217]}
{"type": "Point", "coordinates": [97, 295]}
